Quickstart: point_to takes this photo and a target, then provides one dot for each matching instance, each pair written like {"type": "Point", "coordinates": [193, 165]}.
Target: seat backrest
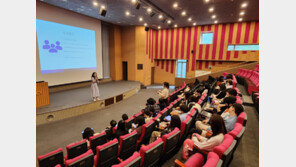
{"type": "Point", "coordinates": [170, 141]}
{"type": "Point", "coordinates": [237, 131]}
{"type": "Point", "coordinates": [147, 130]}
{"type": "Point", "coordinates": [51, 159]}
{"type": "Point", "coordinates": [127, 145]}
{"type": "Point", "coordinates": [128, 122]}
{"type": "Point", "coordinates": [107, 154]}
{"type": "Point", "coordinates": [242, 118]}
{"type": "Point", "coordinates": [213, 160]}
{"type": "Point", "coordinates": [238, 99]}
{"type": "Point", "coordinates": [151, 153]}
{"type": "Point", "coordinates": [196, 160]}
{"type": "Point", "coordinates": [192, 113]}
{"type": "Point", "coordinates": [85, 160]}
{"type": "Point", "coordinates": [138, 114]}
{"type": "Point", "coordinates": [133, 161]}
{"type": "Point", "coordinates": [76, 149]}
{"type": "Point", "coordinates": [97, 140]}
{"type": "Point", "coordinates": [224, 150]}
{"type": "Point", "coordinates": [185, 125]}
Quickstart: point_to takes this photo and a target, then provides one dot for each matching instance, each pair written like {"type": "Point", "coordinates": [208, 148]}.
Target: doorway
{"type": "Point", "coordinates": [152, 75]}
{"type": "Point", "coordinates": [124, 70]}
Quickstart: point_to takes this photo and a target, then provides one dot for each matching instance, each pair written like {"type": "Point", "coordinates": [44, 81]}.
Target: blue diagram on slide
{"type": "Point", "coordinates": [63, 47]}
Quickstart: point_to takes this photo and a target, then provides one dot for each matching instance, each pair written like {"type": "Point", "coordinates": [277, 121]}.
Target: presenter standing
{"type": "Point", "coordinates": [94, 87]}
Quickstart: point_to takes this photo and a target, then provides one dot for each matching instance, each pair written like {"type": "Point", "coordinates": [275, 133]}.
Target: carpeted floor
{"type": "Point", "coordinates": [59, 134]}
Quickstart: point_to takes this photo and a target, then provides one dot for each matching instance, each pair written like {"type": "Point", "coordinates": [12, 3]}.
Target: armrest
{"type": "Point", "coordinates": [220, 162]}
{"type": "Point", "coordinates": [229, 150]}
{"type": "Point", "coordinates": [178, 163]}
{"type": "Point", "coordinates": [197, 149]}
{"type": "Point", "coordinates": [240, 133]}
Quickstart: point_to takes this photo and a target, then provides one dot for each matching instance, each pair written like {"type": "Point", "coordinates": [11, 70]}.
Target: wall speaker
{"type": "Point", "coordinates": [103, 12]}
{"type": "Point", "coordinates": [146, 28]}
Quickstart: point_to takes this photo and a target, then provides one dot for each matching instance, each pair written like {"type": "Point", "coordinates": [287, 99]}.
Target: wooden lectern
{"type": "Point", "coordinates": [42, 94]}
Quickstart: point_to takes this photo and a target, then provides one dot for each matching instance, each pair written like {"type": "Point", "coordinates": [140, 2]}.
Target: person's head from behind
{"type": "Point", "coordinates": [228, 76]}
{"type": "Point", "coordinates": [187, 95]}
{"type": "Point", "coordinates": [230, 82]}
{"type": "Point", "coordinates": [217, 124]}
{"type": "Point", "coordinates": [147, 113]}
{"type": "Point", "coordinates": [94, 74]}
{"type": "Point", "coordinates": [229, 101]}
{"type": "Point", "coordinates": [175, 121]}
{"type": "Point", "coordinates": [166, 85]}
{"type": "Point", "coordinates": [184, 108]}
{"type": "Point", "coordinates": [121, 125]}
{"type": "Point", "coordinates": [140, 120]}
{"type": "Point", "coordinates": [151, 101]}
{"type": "Point", "coordinates": [124, 117]}
{"type": "Point", "coordinates": [221, 79]}
{"type": "Point", "coordinates": [231, 92]}
{"type": "Point", "coordinates": [238, 108]}
{"type": "Point", "coordinates": [113, 123]}
{"type": "Point", "coordinates": [222, 86]}
{"type": "Point", "coordinates": [193, 98]}
{"type": "Point", "coordinates": [162, 101]}
{"type": "Point", "coordinates": [88, 132]}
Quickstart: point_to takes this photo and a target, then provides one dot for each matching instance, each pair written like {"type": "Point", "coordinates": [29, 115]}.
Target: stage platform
{"type": "Point", "coordinates": [74, 102]}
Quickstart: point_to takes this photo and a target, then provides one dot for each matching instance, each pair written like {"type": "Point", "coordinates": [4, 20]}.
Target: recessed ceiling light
{"type": "Point", "coordinates": [189, 19]}
{"type": "Point", "coordinates": [194, 23]}
{"type": "Point", "coordinates": [140, 19]}
{"type": "Point", "coordinates": [134, 1]}
{"type": "Point", "coordinates": [213, 16]}
{"type": "Point", "coordinates": [211, 9]}
{"type": "Point", "coordinates": [207, 1]}
{"type": "Point", "coordinates": [175, 5]}
{"type": "Point", "coordinates": [103, 7]}
{"type": "Point", "coordinates": [95, 3]}
{"type": "Point", "coordinates": [149, 10]}
{"type": "Point", "coordinates": [216, 21]}
{"type": "Point", "coordinates": [127, 13]}
{"type": "Point", "coordinates": [175, 25]}
{"type": "Point", "coordinates": [145, 24]}
{"type": "Point", "coordinates": [158, 27]}
{"type": "Point", "coordinates": [242, 13]}
{"type": "Point", "coordinates": [183, 13]}
{"type": "Point", "coordinates": [160, 16]}
{"type": "Point", "coordinates": [169, 21]}
{"type": "Point", "coordinates": [240, 19]}
{"type": "Point", "coordinates": [244, 5]}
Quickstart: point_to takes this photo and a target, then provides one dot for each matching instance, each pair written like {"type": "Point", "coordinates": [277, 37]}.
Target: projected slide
{"type": "Point", "coordinates": [63, 47]}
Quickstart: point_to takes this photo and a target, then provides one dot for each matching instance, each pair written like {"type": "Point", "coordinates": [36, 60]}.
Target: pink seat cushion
{"type": "Point", "coordinates": [127, 161]}
{"type": "Point", "coordinates": [183, 125]}
{"type": "Point", "coordinates": [68, 162]}
{"type": "Point", "coordinates": [196, 160]}
{"type": "Point", "coordinates": [241, 118]}
{"type": "Point", "coordinates": [212, 160]}
{"type": "Point", "coordinates": [166, 136]}
{"type": "Point", "coordinates": [220, 149]}
{"type": "Point", "coordinates": [236, 130]}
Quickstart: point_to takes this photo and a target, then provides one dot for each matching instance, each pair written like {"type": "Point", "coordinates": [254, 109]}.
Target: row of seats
{"type": "Point", "coordinates": [248, 78]}
{"type": "Point", "coordinates": [223, 153]}
{"type": "Point", "coordinates": [125, 149]}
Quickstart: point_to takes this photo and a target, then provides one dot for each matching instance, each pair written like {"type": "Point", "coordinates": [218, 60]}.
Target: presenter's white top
{"type": "Point", "coordinates": [94, 88]}
{"type": "Point", "coordinates": [164, 93]}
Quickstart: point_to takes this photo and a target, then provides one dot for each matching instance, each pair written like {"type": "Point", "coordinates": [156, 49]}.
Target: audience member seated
{"type": "Point", "coordinates": [110, 130]}
{"type": "Point", "coordinates": [225, 104]}
{"type": "Point", "coordinates": [120, 129]}
{"type": "Point", "coordinates": [124, 117]}
{"type": "Point", "coordinates": [151, 103]}
{"type": "Point", "coordinates": [88, 132]}
{"type": "Point", "coordinates": [222, 91]}
{"type": "Point", "coordinates": [165, 128]}
{"type": "Point", "coordinates": [147, 116]}
{"type": "Point", "coordinates": [140, 121]}
{"type": "Point", "coordinates": [231, 115]}
{"type": "Point", "coordinates": [165, 92]}
{"type": "Point", "coordinates": [182, 113]}
{"type": "Point", "coordinates": [162, 103]}
{"type": "Point", "coordinates": [206, 144]}
{"type": "Point", "coordinates": [229, 84]}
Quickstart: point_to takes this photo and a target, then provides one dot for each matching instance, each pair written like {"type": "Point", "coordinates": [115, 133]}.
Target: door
{"type": "Point", "coordinates": [124, 70]}
{"type": "Point", "coordinates": [152, 75]}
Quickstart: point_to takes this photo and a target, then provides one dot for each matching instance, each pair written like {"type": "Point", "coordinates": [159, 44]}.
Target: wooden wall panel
{"type": "Point", "coordinates": [42, 94]}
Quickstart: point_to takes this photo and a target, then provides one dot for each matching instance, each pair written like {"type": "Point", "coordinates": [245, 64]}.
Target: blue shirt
{"type": "Point", "coordinates": [229, 122]}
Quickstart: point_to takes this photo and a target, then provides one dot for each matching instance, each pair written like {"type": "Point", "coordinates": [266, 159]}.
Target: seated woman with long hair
{"type": "Point", "coordinates": [207, 144]}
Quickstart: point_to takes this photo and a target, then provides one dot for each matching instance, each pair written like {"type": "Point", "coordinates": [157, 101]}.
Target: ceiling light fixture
{"type": "Point", "coordinates": [140, 19]}
{"type": "Point", "coordinates": [145, 24]}
{"type": "Point", "coordinates": [158, 27]}
{"type": "Point", "coordinates": [242, 13]}
{"type": "Point", "coordinates": [149, 10]}
{"type": "Point", "coordinates": [183, 13]}
{"type": "Point", "coordinates": [127, 13]}
{"type": "Point", "coordinates": [211, 9]}
{"type": "Point", "coordinates": [189, 19]}
{"type": "Point", "coordinates": [95, 3]}
{"type": "Point", "coordinates": [194, 24]}
{"type": "Point", "coordinates": [103, 7]}
{"type": "Point", "coordinates": [169, 21]}
{"type": "Point", "coordinates": [175, 5]}
{"type": "Point", "coordinates": [134, 1]}
{"type": "Point", "coordinates": [175, 25]}
{"type": "Point", "coordinates": [160, 16]}
{"type": "Point", "coordinates": [240, 19]}
{"type": "Point", "coordinates": [213, 16]}
{"type": "Point", "coordinates": [216, 21]}
{"type": "Point", "coordinates": [244, 5]}
{"type": "Point", "coordinates": [207, 1]}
